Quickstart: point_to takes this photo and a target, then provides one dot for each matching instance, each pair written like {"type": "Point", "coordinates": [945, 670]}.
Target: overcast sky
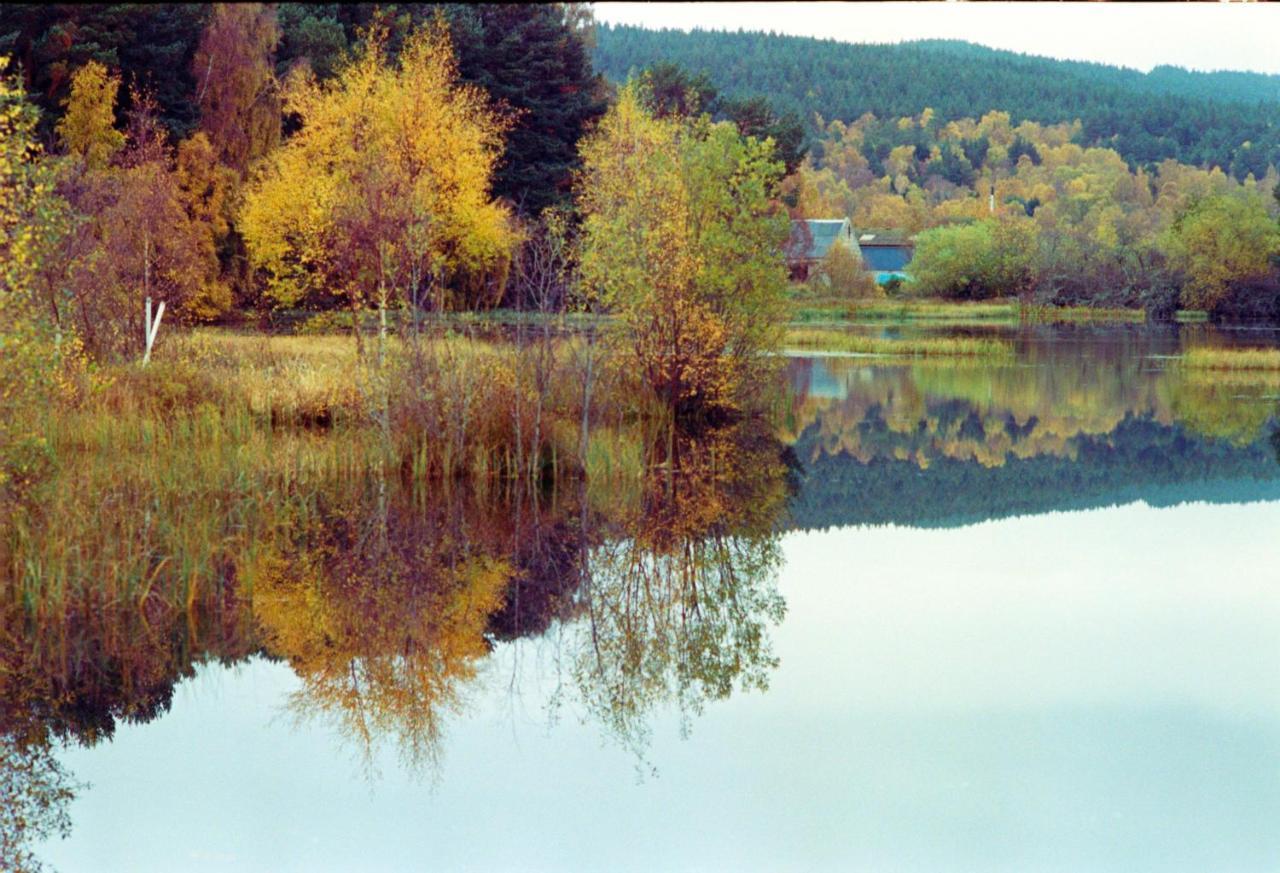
{"type": "Point", "coordinates": [1200, 36]}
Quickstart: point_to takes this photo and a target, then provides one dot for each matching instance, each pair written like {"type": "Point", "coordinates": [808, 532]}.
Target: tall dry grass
{"type": "Point", "coordinates": [192, 472]}
{"type": "Point", "coordinates": [1266, 360]}
{"type": "Point", "coordinates": [842, 341]}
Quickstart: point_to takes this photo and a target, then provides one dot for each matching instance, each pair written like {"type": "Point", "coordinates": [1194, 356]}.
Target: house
{"type": "Point", "coordinates": [886, 253]}
{"type": "Point", "coordinates": [812, 239]}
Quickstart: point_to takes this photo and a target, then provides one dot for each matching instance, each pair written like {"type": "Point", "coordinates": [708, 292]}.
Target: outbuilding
{"type": "Point", "coordinates": [886, 254]}
{"type": "Point", "coordinates": [811, 240]}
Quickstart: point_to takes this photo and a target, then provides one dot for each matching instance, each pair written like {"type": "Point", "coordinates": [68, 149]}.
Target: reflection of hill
{"type": "Point", "coordinates": [1141, 459]}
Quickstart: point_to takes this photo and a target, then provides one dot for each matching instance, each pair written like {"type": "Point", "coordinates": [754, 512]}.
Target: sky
{"type": "Point", "coordinates": [1198, 36]}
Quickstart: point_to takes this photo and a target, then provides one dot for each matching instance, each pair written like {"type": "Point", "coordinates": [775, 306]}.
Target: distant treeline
{"type": "Point", "coordinates": [1230, 120]}
{"type": "Point", "coordinates": [1002, 210]}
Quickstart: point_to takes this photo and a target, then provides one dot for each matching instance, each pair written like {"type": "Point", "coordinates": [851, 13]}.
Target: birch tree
{"type": "Point", "coordinates": [384, 192]}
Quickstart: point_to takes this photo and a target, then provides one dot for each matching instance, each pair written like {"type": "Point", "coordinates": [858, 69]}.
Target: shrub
{"type": "Point", "coordinates": [845, 274]}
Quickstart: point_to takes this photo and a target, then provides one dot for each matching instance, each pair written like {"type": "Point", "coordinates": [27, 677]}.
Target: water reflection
{"type": "Point", "coordinates": [34, 793]}
{"type": "Point", "coordinates": [381, 609]}
{"type": "Point", "coordinates": [388, 599]}
{"type": "Point", "coordinates": [1066, 426]}
{"type": "Point", "coordinates": [680, 594]}
{"type": "Point", "coordinates": [389, 596]}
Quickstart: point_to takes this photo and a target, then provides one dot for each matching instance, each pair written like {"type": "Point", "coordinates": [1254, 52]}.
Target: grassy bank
{"type": "Point", "coordinates": [202, 466]}
{"type": "Point", "coordinates": [1261, 360]}
{"type": "Point", "coordinates": [818, 310]}
{"type": "Point", "coordinates": [841, 341]}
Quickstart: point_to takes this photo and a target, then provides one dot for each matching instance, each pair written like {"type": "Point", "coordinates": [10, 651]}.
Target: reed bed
{"type": "Point", "coordinates": [171, 483]}
{"type": "Point", "coordinates": [935, 347]}
{"type": "Point", "coordinates": [922, 310]}
{"type": "Point", "coordinates": [1036, 314]}
{"type": "Point", "coordinates": [806, 311]}
{"type": "Point", "coordinates": [1263, 360]}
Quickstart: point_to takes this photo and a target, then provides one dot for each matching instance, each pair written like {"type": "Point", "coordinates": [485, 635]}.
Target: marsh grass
{"type": "Point", "coordinates": [339, 322]}
{"type": "Point", "coordinates": [1038, 314]}
{"type": "Point", "coordinates": [928, 310]}
{"type": "Point", "coordinates": [841, 341]}
{"type": "Point", "coordinates": [1263, 360]}
{"type": "Point", "coordinates": [173, 483]}
{"type": "Point", "coordinates": [805, 311]}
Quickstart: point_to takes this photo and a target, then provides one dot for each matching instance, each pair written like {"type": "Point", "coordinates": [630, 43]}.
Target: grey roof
{"type": "Point", "coordinates": [823, 232]}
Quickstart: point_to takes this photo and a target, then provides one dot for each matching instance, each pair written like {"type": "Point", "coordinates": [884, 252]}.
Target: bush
{"type": "Point", "coordinates": [1257, 297]}
{"type": "Point", "coordinates": [992, 258]}
{"type": "Point", "coordinates": [844, 274]}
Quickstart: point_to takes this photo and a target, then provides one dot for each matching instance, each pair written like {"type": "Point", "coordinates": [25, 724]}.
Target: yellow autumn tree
{"type": "Point", "coordinates": [206, 187]}
{"type": "Point", "coordinates": [683, 239]}
{"type": "Point", "coordinates": [87, 130]}
{"type": "Point", "coordinates": [383, 194]}
{"type": "Point", "coordinates": [32, 220]}
{"type": "Point", "coordinates": [1219, 242]}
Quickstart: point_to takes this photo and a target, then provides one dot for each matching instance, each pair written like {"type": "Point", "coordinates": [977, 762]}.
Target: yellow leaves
{"type": "Point", "coordinates": [31, 222]}
{"type": "Point", "coordinates": [900, 159]}
{"type": "Point", "coordinates": [382, 636]}
{"type": "Point", "coordinates": [87, 129]}
{"type": "Point", "coordinates": [996, 126]}
{"type": "Point", "coordinates": [682, 240]}
{"type": "Point", "coordinates": [387, 180]}
{"type": "Point", "coordinates": [1219, 241]}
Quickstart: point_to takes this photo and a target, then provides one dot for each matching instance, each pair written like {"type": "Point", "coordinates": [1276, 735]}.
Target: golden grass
{"type": "Point", "coordinates": [200, 467]}
{"type": "Point", "coordinates": [841, 341]}
{"type": "Point", "coordinates": [1267, 360]}
{"type": "Point", "coordinates": [980, 312]}
{"type": "Point", "coordinates": [1079, 314]}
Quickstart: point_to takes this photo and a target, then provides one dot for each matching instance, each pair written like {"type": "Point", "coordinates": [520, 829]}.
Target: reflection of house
{"type": "Point", "coordinates": [812, 239]}
{"type": "Point", "coordinates": [886, 253]}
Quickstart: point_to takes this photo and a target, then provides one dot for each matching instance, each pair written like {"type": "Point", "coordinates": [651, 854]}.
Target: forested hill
{"type": "Point", "coordinates": [1197, 118]}
{"type": "Point", "coordinates": [1222, 86]}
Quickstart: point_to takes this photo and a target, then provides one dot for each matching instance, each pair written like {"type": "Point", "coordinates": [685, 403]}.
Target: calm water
{"type": "Point", "coordinates": [952, 617]}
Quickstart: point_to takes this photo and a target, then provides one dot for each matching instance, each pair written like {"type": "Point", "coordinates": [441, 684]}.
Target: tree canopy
{"type": "Point", "coordinates": [384, 190]}
{"type": "Point", "coordinates": [1230, 120]}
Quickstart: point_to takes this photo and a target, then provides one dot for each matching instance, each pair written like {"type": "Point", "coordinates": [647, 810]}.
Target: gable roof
{"type": "Point", "coordinates": [822, 234]}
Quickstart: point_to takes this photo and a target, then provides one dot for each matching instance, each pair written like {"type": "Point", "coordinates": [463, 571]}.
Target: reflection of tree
{"type": "Point", "coordinates": [1225, 406]}
{"type": "Point", "coordinates": [382, 612]}
{"type": "Point", "coordinates": [679, 596]}
{"type": "Point", "coordinates": [78, 672]}
{"type": "Point", "coordinates": [386, 601]}
{"type": "Point", "coordinates": [389, 603]}
{"type": "Point", "coordinates": [34, 795]}
{"type": "Point", "coordinates": [1140, 459]}
{"type": "Point", "coordinates": [1042, 406]}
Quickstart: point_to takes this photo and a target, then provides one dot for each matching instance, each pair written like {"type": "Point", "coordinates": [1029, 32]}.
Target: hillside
{"type": "Point", "coordinates": [1221, 86]}
{"type": "Point", "coordinates": [1231, 120]}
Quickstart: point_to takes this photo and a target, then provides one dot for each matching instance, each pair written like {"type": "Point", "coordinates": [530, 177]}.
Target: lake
{"type": "Point", "coordinates": [950, 615]}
